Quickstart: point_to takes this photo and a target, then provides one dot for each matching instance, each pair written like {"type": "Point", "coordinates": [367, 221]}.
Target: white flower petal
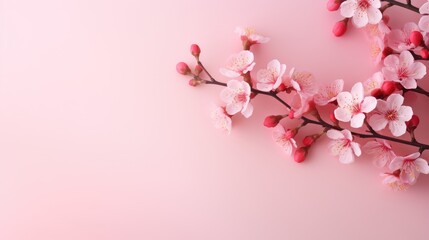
{"type": "Point", "coordinates": [422, 165]}
{"type": "Point", "coordinates": [342, 115]}
{"type": "Point", "coordinates": [347, 157]}
{"type": "Point", "coordinates": [398, 128]}
{"type": "Point", "coordinates": [357, 120]}
{"type": "Point", "coordinates": [377, 122]}
{"type": "Point", "coordinates": [348, 8]}
{"type": "Point", "coordinates": [374, 15]}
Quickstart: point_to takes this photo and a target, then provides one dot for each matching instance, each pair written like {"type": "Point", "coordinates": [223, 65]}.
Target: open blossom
{"type": "Point", "coordinates": [374, 82]}
{"type": "Point", "coordinates": [381, 151]}
{"type": "Point", "coordinates": [237, 98]}
{"type": "Point", "coordinates": [284, 138]}
{"type": "Point", "coordinates": [362, 12]}
{"type": "Point", "coordinates": [343, 145]}
{"type": "Point", "coordinates": [238, 64]}
{"type": "Point", "coordinates": [329, 92]}
{"type": "Point", "coordinates": [411, 166]}
{"type": "Point", "coordinates": [352, 106]}
{"type": "Point", "coordinates": [250, 35]}
{"type": "Point", "coordinates": [392, 113]}
{"type": "Point", "coordinates": [403, 69]}
{"type": "Point", "coordinates": [377, 48]}
{"type": "Point", "coordinates": [399, 39]}
{"type": "Point", "coordinates": [378, 30]}
{"type": "Point", "coordinates": [270, 78]}
{"type": "Point", "coordinates": [305, 89]}
{"type": "Point", "coordinates": [221, 119]}
{"type": "Point", "coordinates": [393, 181]}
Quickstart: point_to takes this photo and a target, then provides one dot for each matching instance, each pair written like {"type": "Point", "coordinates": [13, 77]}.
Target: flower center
{"type": "Point", "coordinates": [364, 4]}
{"type": "Point", "coordinates": [356, 109]}
{"type": "Point", "coordinates": [241, 97]}
{"type": "Point", "coordinates": [402, 72]}
{"type": "Point", "coordinates": [391, 115]}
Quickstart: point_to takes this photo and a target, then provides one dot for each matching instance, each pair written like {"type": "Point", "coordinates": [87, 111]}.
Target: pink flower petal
{"type": "Point", "coordinates": [334, 134]}
{"type": "Point", "coordinates": [406, 59]}
{"type": "Point", "coordinates": [348, 8]}
{"type": "Point", "coordinates": [424, 23]}
{"type": "Point", "coordinates": [247, 112]}
{"type": "Point", "coordinates": [409, 83]}
{"type": "Point", "coordinates": [396, 163]}
{"type": "Point", "coordinates": [342, 115]}
{"type": "Point", "coordinates": [357, 92]}
{"type": "Point", "coordinates": [374, 15]}
{"type": "Point", "coordinates": [360, 18]}
{"type": "Point", "coordinates": [418, 70]}
{"type": "Point", "coordinates": [229, 73]}
{"type": "Point", "coordinates": [405, 113]}
{"type": "Point", "coordinates": [368, 104]}
{"type": "Point", "coordinates": [233, 108]}
{"type": "Point", "coordinates": [398, 128]}
{"type": "Point", "coordinates": [356, 148]}
{"type": "Point", "coordinates": [344, 99]}
{"type": "Point", "coordinates": [357, 120]}
{"type": "Point", "coordinates": [391, 61]}
{"type": "Point", "coordinates": [347, 157]}
{"type": "Point", "coordinates": [378, 122]}
{"type": "Point", "coordinates": [395, 101]}
{"type": "Point", "coordinates": [422, 166]}
{"type": "Point", "coordinates": [424, 9]}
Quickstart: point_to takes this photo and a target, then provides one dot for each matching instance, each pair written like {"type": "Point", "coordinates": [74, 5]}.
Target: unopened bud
{"type": "Point", "coordinates": [300, 154]}
{"type": "Point", "coordinates": [183, 68]}
{"type": "Point", "coordinates": [194, 82]}
{"type": "Point", "coordinates": [333, 5]}
{"type": "Point", "coordinates": [272, 121]}
{"type": "Point", "coordinates": [290, 133]}
{"type": "Point", "coordinates": [413, 123]}
{"type": "Point", "coordinates": [424, 53]}
{"type": "Point", "coordinates": [377, 93]}
{"type": "Point", "coordinates": [339, 28]}
{"type": "Point", "coordinates": [388, 88]}
{"type": "Point", "coordinates": [309, 140]}
{"type": "Point", "coordinates": [416, 38]}
{"type": "Point", "coordinates": [195, 50]}
{"type": "Point", "coordinates": [198, 69]}
{"type": "Point", "coordinates": [386, 52]}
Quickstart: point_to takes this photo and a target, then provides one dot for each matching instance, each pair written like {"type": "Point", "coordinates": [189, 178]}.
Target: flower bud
{"type": "Point", "coordinates": [413, 123]}
{"type": "Point", "coordinates": [291, 114]}
{"type": "Point", "coordinates": [272, 121]}
{"type": "Point", "coordinates": [300, 154]}
{"type": "Point", "coordinates": [333, 5]}
{"type": "Point", "coordinates": [377, 93]}
{"type": "Point", "coordinates": [194, 82]}
{"type": "Point", "coordinates": [183, 68]}
{"type": "Point", "coordinates": [198, 69]}
{"type": "Point", "coordinates": [195, 50]}
{"type": "Point", "coordinates": [309, 140]}
{"type": "Point", "coordinates": [339, 28]}
{"type": "Point", "coordinates": [416, 38]}
{"type": "Point", "coordinates": [281, 88]}
{"type": "Point", "coordinates": [388, 88]}
{"type": "Point", "coordinates": [424, 53]}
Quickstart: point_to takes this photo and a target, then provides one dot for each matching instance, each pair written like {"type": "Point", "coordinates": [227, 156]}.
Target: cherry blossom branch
{"type": "Point", "coordinates": [407, 5]}
{"type": "Point", "coordinates": [417, 90]}
{"type": "Point", "coordinates": [422, 147]}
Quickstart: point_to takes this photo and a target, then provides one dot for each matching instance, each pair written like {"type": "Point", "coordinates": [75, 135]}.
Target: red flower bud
{"type": "Point", "coordinates": [377, 93]}
{"type": "Point", "coordinates": [300, 154]}
{"type": "Point", "coordinates": [272, 121]}
{"type": "Point", "coordinates": [416, 38]}
{"type": "Point", "coordinates": [387, 51]}
{"type": "Point", "coordinates": [198, 70]}
{"type": "Point", "coordinates": [183, 68]}
{"type": "Point", "coordinates": [339, 28]}
{"type": "Point", "coordinates": [413, 123]}
{"type": "Point", "coordinates": [388, 88]}
{"type": "Point", "coordinates": [424, 53]}
{"type": "Point", "coordinates": [290, 133]}
{"type": "Point", "coordinates": [281, 88]}
{"type": "Point", "coordinates": [309, 140]}
{"type": "Point", "coordinates": [333, 5]}
{"type": "Point", "coordinates": [195, 50]}
{"type": "Point", "coordinates": [194, 82]}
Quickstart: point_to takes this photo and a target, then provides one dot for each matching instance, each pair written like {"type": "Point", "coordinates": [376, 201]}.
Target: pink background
{"type": "Point", "coordinates": [100, 138]}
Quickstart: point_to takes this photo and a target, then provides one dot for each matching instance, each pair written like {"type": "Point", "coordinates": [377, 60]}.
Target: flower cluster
{"type": "Point", "coordinates": [358, 117]}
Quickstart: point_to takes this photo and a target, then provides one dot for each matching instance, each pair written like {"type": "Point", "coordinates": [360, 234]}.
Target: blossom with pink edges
{"type": "Point", "coordinates": [352, 106]}
{"type": "Point", "coordinates": [394, 182]}
{"type": "Point", "coordinates": [411, 166]}
{"type": "Point", "coordinates": [362, 12]}
{"type": "Point", "coordinates": [381, 151]}
{"type": "Point", "coordinates": [343, 145]}
{"type": "Point", "coordinates": [284, 138]}
{"type": "Point", "coordinates": [221, 120]}
{"type": "Point", "coordinates": [250, 35]}
{"type": "Point", "coordinates": [237, 98]}
{"type": "Point", "coordinates": [399, 39]}
{"type": "Point", "coordinates": [403, 69]}
{"type": "Point", "coordinates": [392, 113]}
{"type": "Point", "coordinates": [238, 64]}
{"type": "Point", "coordinates": [270, 78]}
{"type": "Point", "coordinates": [329, 92]}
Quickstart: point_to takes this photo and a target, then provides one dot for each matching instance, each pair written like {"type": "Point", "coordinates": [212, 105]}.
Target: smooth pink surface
{"type": "Point", "coordinates": [100, 138]}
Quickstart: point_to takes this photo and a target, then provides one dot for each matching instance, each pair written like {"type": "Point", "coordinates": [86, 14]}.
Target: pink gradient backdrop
{"type": "Point", "coordinates": [100, 138]}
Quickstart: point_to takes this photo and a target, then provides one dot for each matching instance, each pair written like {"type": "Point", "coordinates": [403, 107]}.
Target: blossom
{"type": "Point", "coordinates": [284, 138]}
{"type": "Point", "coordinates": [343, 145]}
{"type": "Point", "coordinates": [238, 64]}
{"type": "Point", "coordinates": [221, 119]}
{"type": "Point", "coordinates": [270, 78]}
{"type": "Point", "coordinates": [393, 113]}
{"type": "Point", "coordinates": [329, 92]}
{"type": "Point", "coordinates": [374, 82]}
{"type": "Point", "coordinates": [403, 69]}
{"type": "Point", "coordinates": [378, 30]}
{"type": "Point", "coordinates": [352, 106]}
{"type": "Point", "coordinates": [377, 48]}
{"type": "Point", "coordinates": [362, 12]}
{"type": "Point", "coordinates": [399, 39]}
{"type": "Point", "coordinates": [381, 151]}
{"type": "Point", "coordinates": [250, 35]}
{"type": "Point", "coordinates": [393, 181]}
{"type": "Point", "coordinates": [237, 98]}
{"type": "Point", "coordinates": [411, 166]}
